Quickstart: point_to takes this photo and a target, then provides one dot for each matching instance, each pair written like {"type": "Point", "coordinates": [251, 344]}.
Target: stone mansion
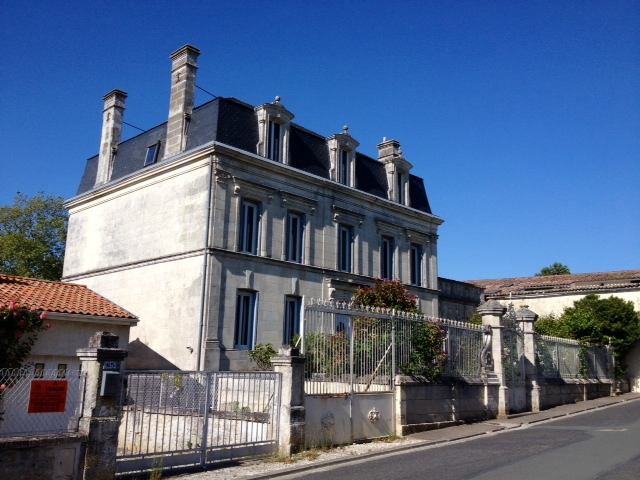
{"type": "Point", "coordinates": [213, 226]}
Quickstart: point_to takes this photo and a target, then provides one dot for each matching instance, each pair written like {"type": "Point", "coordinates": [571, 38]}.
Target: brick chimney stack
{"type": "Point", "coordinates": [111, 133]}
{"type": "Point", "coordinates": [183, 86]}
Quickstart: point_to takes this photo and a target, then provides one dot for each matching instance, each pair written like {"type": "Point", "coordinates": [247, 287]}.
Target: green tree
{"type": "Point", "coordinates": [33, 232]}
{"type": "Point", "coordinates": [596, 320]}
{"type": "Point", "coordinates": [387, 294]}
{"type": "Point", "coordinates": [426, 358]}
{"type": "Point", "coordinates": [555, 269]}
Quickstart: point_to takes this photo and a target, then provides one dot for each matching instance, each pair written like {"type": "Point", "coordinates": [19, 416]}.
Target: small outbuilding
{"type": "Point", "coordinates": [75, 314]}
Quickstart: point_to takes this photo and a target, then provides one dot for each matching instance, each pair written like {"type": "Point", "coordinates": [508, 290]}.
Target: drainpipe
{"type": "Point", "coordinates": [205, 264]}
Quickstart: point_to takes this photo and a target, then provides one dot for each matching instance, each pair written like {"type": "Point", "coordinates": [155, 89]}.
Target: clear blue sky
{"type": "Point", "coordinates": [523, 118]}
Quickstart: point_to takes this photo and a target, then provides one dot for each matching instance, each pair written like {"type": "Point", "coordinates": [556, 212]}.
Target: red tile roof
{"type": "Point", "coordinates": [560, 283]}
{"type": "Point", "coordinates": [58, 297]}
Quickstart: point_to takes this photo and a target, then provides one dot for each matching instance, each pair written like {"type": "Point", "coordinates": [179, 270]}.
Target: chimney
{"type": "Point", "coordinates": [111, 134]}
{"type": "Point", "coordinates": [183, 86]}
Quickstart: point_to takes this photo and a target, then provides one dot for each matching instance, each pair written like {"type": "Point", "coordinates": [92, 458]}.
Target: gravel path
{"type": "Point", "coordinates": [258, 468]}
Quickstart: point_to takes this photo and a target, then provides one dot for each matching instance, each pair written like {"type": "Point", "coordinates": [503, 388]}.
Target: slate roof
{"type": "Point", "coordinates": [58, 297]}
{"type": "Point", "coordinates": [234, 123]}
{"type": "Point", "coordinates": [625, 279]}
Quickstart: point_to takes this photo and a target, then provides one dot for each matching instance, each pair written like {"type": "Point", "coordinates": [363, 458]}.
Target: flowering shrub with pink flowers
{"type": "Point", "coordinates": [19, 328]}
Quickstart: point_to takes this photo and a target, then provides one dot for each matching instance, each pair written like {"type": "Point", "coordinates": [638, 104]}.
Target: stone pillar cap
{"type": "Point", "coordinates": [524, 314]}
{"type": "Point", "coordinates": [491, 306]}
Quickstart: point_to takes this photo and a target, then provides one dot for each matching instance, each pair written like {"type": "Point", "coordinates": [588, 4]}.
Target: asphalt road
{"type": "Point", "coordinates": [600, 444]}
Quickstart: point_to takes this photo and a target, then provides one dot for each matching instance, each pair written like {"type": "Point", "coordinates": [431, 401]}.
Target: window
{"type": "Point", "coordinates": [274, 151]}
{"type": "Point", "coordinates": [249, 227]}
{"type": "Point", "coordinates": [415, 257]}
{"type": "Point", "coordinates": [62, 370]}
{"type": "Point", "coordinates": [400, 187]}
{"type": "Point", "coordinates": [152, 154]}
{"type": "Point", "coordinates": [38, 370]}
{"type": "Point", "coordinates": [342, 325]}
{"type": "Point", "coordinates": [344, 168]}
{"type": "Point", "coordinates": [345, 248]}
{"type": "Point", "coordinates": [386, 258]}
{"type": "Point", "coordinates": [245, 320]}
{"type": "Point", "coordinates": [291, 319]}
{"type": "Point", "coordinates": [295, 230]}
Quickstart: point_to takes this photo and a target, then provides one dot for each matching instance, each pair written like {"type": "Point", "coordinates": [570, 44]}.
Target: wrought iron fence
{"type": "Point", "coordinates": [360, 349]}
{"type": "Point", "coordinates": [565, 358]}
{"type": "Point", "coordinates": [40, 402]}
{"type": "Point", "coordinates": [175, 418]}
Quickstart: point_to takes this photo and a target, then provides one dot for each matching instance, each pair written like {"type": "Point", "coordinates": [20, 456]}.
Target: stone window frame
{"type": "Point", "coordinates": [306, 208]}
{"type": "Point", "coordinates": [342, 146]}
{"type": "Point", "coordinates": [422, 240]}
{"type": "Point", "coordinates": [292, 316]}
{"type": "Point", "coordinates": [345, 217]}
{"type": "Point", "coordinates": [394, 232]}
{"type": "Point", "coordinates": [416, 261]}
{"type": "Point", "coordinates": [246, 190]}
{"type": "Point", "coordinates": [387, 254]}
{"type": "Point", "coordinates": [274, 113]}
{"type": "Point", "coordinates": [246, 315]}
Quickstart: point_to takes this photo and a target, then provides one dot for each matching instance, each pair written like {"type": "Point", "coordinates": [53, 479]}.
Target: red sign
{"type": "Point", "coordinates": [48, 396]}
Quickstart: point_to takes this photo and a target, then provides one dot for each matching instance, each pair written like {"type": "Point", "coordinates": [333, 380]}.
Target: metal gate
{"type": "Point", "coordinates": [513, 361]}
{"type": "Point", "coordinates": [180, 419]}
{"type": "Point", "coordinates": [349, 370]}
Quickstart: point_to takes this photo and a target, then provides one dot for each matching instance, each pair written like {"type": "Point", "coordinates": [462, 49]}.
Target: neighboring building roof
{"type": "Point", "coordinates": [234, 123]}
{"type": "Point", "coordinates": [580, 282]}
{"type": "Point", "coordinates": [58, 297]}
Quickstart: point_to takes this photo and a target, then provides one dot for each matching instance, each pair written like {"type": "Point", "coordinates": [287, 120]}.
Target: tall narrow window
{"type": "Point", "coordinates": [345, 248]}
{"type": "Point", "coordinates": [273, 147]}
{"type": "Point", "coordinates": [415, 257]}
{"type": "Point", "coordinates": [291, 319]}
{"type": "Point", "coordinates": [245, 320]}
{"type": "Point", "coordinates": [400, 195]}
{"type": "Point", "coordinates": [386, 258]}
{"type": "Point", "coordinates": [295, 230]}
{"type": "Point", "coordinates": [249, 227]}
{"type": "Point", "coordinates": [344, 168]}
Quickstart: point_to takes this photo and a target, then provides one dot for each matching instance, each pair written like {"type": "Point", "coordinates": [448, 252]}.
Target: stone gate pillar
{"type": "Point", "coordinates": [492, 312]}
{"type": "Point", "coordinates": [527, 319]}
{"type": "Point", "coordinates": [99, 420]}
{"type": "Point", "coordinates": [291, 436]}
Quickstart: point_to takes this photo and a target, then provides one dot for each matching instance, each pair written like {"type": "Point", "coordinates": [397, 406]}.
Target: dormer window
{"type": "Point", "coordinates": [342, 152]}
{"type": "Point", "coordinates": [152, 154]}
{"type": "Point", "coordinates": [274, 123]}
{"type": "Point", "coordinates": [397, 168]}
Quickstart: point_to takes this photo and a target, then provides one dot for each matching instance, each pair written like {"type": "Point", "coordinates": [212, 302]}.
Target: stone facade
{"type": "Point", "coordinates": [213, 246]}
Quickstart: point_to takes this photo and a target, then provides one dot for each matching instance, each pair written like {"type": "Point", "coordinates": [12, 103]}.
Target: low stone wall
{"type": "Point", "coordinates": [562, 391]}
{"type": "Point", "coordinates": [51, 457]}
{"type": "Point", "coordinates": [423, 405]}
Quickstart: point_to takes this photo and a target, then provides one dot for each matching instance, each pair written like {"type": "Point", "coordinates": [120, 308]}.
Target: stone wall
{"type": "Point", "coordinates": [560, 392]}
{"type": "Point", "coordinates": [457, 300]}
{"type": "Point", "coordinates": [423, 405]}
{"type": "Point", "coordinates": [54, 457]}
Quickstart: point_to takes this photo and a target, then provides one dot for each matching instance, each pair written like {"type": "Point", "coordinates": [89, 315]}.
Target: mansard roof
{"type": "Point", "coordinates": [234, 123]}
{"type": "Point", "coordinates": [551, 284]}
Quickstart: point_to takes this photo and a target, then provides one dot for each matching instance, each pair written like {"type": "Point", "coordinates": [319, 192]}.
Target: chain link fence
{"type": "Point", "coordinates": [40, 402]}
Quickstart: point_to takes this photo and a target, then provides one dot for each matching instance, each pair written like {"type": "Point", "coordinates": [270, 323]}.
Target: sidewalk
{"type": "Point", "coordinates": [264, 469]}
